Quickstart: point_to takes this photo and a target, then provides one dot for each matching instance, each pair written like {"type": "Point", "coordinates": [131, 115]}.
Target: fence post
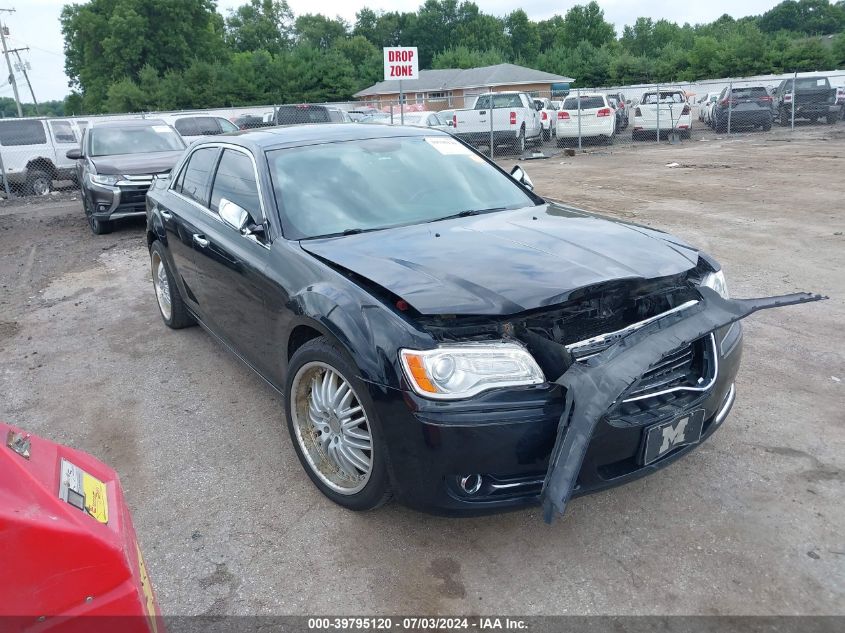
{"type": "Point", "coordinates": [792, 117]}
{"type": "Point", "coordinates": [492, 141]}
{"type": "Point", "coordinates": [579, 118]}
{"type": "Point", "coordinates": [9, 193]}
{"type": "Point", "coordinates": [391, 114]}
{"type": "Point", "coordinates": [730, 104]}
{"type": "Point", "coordinates": [657, 95]}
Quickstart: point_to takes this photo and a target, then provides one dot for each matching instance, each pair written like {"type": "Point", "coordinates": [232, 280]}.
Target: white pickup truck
{"type": "Point", "coordinates": [515, 121]}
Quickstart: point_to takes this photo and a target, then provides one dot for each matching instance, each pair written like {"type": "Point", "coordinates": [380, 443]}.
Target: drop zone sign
{"type": "Point", "coordinates": [401, 62]}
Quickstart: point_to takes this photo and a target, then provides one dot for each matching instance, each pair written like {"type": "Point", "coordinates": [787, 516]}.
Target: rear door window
{"type": "Point", "coordinates": [63, 132]}
{"type": "Point", "coordinates": [235, 181]}
{"type": "Point", "coordinates": [197, 175]}
{"type": "Point", "coordinates": [22, 133]}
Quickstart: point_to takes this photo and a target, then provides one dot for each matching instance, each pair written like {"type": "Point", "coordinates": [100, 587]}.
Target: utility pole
{"type": "Point", "coordinates": [9, 64]}
{"type": "Point", "coordinates": [16, 51]}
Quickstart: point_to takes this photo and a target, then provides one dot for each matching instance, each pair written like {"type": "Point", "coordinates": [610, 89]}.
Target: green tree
{"type": "Point", "coordinates": [260, 25]}
{"type": "Point", "coordinates": [463, 57]}
{"type": "Point", "coordinates": [109, 40]}
{"type": "Point", "coordinates": [319, 31]}
{"type": "Point", "coordinates": [524, 36]}
{"type": "Point", "coordinates": [587, 24]}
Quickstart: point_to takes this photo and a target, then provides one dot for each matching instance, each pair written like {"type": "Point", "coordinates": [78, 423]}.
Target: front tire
{"type": "Point", "coordinates": [331, 421]}
{"type": "Point", "coordinates": [170, 305]}
{"type": "Point", "coordinates": [98, 227]}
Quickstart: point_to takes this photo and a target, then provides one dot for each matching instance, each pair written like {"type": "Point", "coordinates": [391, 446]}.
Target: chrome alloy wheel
{"type": "Point", "coordinates": [331, 428]}
{"type": "Point", "coordinates": [162, 286]}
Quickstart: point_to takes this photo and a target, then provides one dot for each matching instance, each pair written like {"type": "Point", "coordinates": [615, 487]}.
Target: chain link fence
{"type": "Point", "coordinates": [34, 160]}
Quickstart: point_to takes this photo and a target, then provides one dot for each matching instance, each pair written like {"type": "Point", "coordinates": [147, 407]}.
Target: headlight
{"type": "Point", "coordinates": [717, 282]}
{"type": "Point", "coordinates": [457, 371]}
{"type": "Point", "coordinates": [104, 179]}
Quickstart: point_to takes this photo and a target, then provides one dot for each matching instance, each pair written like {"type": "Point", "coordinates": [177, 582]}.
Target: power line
{"type": "Point", "coordinates": [22, 67]}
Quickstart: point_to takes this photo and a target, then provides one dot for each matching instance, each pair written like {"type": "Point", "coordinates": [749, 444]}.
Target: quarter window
{"type": "Point", "coordinates": [195, 181]}
{"type": "Point", "coordinates": [235, 181]}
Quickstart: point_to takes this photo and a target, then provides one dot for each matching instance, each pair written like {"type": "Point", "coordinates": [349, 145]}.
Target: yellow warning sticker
{"type": "Point", "coordinates": [83, 491]}
{"type": "Point", "coordinates": [96, 503]}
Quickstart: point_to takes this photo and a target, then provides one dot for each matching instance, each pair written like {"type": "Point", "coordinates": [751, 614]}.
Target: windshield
{"type": "Point", "coordinates": [650, 98]}
{"type": "Point", "coordinates": [106, 141]}
{"type": "Point", "coordinates": [379, 183]}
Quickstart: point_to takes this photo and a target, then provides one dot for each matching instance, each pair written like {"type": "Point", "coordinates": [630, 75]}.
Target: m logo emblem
{"type": "Point", "coordinates": [664, 437]}
{"type": "Point", "coordinates": [673, 435]}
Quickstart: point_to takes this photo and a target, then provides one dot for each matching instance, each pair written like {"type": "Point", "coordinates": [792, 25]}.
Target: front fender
{"type": "Point", "coordinates": [371, 332]}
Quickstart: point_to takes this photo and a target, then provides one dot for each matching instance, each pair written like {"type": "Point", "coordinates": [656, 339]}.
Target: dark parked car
{"type": "Point", "coordinates": [421, 312]}
{"type": "Point", "coordinates": [750, 106]}
{"type": "Point", "coordinates": [813, 98]}
{"type": "Point", "coordinates": [250, 121]}
{"type": "Point", "coordinates": [307, 113]}
{"type": "Point", "coordinates": [116, 164]}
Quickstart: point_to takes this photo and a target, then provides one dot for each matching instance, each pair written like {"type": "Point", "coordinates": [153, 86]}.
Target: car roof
{"type": "Point", "coordinates": [127, 123]}
{"type": "Point", "coordinates": [266, 138]}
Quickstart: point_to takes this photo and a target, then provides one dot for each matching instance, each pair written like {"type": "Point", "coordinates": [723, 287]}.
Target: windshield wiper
{"type": "Point", "coordinates": [343, 233]}
{"type": "Point", "coordinates": [468, 212]}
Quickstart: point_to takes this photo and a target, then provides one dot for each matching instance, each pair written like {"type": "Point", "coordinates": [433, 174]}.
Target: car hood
{"type": "Point", "coordinates": [132, 164]}
{"type": "Point", "coordinates": [505, 262]}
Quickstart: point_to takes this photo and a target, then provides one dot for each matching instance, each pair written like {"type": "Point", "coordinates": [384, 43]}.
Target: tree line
{"type": "Point", "coordinates": [135, 55]}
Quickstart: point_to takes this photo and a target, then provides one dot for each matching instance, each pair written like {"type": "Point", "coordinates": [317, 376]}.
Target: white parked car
{"type": "Point", "coordinates": [33, 152]}
{"type": "Point", "coordinates": [425, 119]}
{"type": "Point", "coordinates": [595, 118]}
{"type": "Point", "coordinates": [548, 113]}
{"type": "Point", "coordinates": [660, 114]}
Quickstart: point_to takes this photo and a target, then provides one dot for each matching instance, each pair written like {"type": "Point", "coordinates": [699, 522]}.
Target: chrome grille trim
{"type": "Point", "coordinates": [611, 337]}
{"type": "Point", "coordinates": [705, 387]}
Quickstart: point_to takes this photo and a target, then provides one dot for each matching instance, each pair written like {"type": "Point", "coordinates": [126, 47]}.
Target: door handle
{"type": "Point", "coordinates": [200, 240]}
{"type": "Point", "coordinates": [167, 215]}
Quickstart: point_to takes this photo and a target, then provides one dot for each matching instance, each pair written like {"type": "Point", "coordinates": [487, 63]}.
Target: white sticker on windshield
{"type": "Point", "coordinates": [161, 129]}
{"type": "Point", "coordinates": [820, 82]}
{"type": "Point", "coordinates": [448, 146]}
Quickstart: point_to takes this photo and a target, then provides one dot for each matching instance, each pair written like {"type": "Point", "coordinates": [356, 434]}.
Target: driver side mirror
{"type": "Point", "coordinates": [238, 218]}
{"type": "Point", "coordinates": [74, 154]}
{"type": "Point", "coordinates": [518, 174]}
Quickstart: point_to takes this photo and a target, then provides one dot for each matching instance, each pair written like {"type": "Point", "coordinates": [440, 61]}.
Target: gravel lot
{"type": "Point", "coordinates": [751, 523]}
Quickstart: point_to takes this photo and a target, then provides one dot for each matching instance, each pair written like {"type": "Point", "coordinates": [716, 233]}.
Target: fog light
{"type": "Point", "coordinates": [471, 484]}
{"type": "Point", "coordinates": [102, 208]}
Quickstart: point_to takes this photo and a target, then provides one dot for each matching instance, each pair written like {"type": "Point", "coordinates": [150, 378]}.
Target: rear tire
{"type": "Point", "coordinates": [170, 305]}
{"type": "Point", "coordinates": [831, 119]}
{"type": "Point", "coordinates": [38, 183]}
{"type": "Point", "coordinates": [783, 117]}
{"type": "Point", "coordinates": [767, 126]}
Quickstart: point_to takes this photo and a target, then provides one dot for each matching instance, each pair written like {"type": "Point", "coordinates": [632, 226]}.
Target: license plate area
{"type": "Point", "coordinates": [663, 438]}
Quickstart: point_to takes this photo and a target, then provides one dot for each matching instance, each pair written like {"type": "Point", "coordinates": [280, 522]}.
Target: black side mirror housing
{"type": "Point", "coordinates": [74, 154]}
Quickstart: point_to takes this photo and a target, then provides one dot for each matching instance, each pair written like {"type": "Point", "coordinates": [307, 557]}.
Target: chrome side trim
{"type": "Point", "coordinates": [726, 406]}
{"type": "Point", "coordinates": [705, 387]}
{"type": "Point", "coordinates": [595, 340]}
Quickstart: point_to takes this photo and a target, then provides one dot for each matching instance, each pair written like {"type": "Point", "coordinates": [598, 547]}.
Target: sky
{"type": "Point", "coordinates": [35, 24]}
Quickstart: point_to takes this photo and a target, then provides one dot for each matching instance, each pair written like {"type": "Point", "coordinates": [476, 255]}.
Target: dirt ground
{"type": "Point", "coordinates": [751, 523]}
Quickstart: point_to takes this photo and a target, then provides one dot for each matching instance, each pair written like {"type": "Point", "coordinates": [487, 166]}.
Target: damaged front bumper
{"type": "Point", "coordinates": [592, 387]}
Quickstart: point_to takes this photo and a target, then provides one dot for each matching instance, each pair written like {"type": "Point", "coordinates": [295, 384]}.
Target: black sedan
{"type": "Point", "coordinates": [421, 312]}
